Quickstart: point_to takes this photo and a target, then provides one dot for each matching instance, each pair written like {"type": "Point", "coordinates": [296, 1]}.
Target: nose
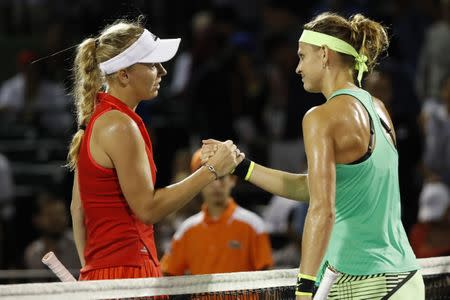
{"type": "Point", "coordinates": [161, 70]}
{"type": "Point", "coordinates": [298, 69]}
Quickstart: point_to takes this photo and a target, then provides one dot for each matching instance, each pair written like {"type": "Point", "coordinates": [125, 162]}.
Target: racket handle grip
{"type": "Point", "coordinates": [328, 279]}
{"type": "Point", "coordinates": [57, 267]}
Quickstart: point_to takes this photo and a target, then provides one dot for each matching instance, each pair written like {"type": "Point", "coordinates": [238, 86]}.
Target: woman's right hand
{"type": "Point", "coordinates": [225, 158]}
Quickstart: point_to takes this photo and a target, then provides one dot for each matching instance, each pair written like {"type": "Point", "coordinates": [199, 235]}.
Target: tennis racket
{"type": "Point", "coordinates": [51, 261]}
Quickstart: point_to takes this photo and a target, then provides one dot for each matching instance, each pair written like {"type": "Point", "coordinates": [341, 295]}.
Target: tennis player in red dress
{"type": "Point", "coordinates": [114, 202]}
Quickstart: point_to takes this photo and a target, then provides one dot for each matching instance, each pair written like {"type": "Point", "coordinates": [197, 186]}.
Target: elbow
{"type": "Point", "coordinates": [326, 215]}
{"type": "Point", "coordinates": [147, 219]}
{"type": "Point", "coordinates": [302, 189]}
{"type": "Point", "coordinates": [76, 210]}
{"type": "Point", "coordinates": [148, 216]}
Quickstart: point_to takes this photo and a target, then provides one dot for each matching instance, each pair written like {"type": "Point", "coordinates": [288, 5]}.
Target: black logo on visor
{"type": "Point", "coordinates": [154, 36]}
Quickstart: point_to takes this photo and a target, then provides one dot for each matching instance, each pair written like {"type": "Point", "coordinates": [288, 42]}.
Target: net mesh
{"type": "Point", "coordinates": [266, 285]}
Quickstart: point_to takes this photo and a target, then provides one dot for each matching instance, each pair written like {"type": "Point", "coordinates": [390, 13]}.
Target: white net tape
{"type": "Point", "coordinates": [123, 288]}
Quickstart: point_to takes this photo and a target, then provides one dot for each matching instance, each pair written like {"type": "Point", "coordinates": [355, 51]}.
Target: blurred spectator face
{"type": "Point", "coordinates": [200, 23]}
{"type": "Point", "coordinates": [52, 219]}
{"type": "Point", "coordinates": [217, 192]}
{"type": "Point", "coordinates": [379, 85]}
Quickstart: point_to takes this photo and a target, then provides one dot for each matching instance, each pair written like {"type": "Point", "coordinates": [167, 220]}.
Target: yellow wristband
{"type": "Point", "coordinates": [313, 278]}
{"type": "Point", "coordinates": [297, 293]}
{"type": "Point", "coordinates": [250, 171]}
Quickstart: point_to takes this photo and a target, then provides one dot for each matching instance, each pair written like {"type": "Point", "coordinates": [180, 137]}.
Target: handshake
{"type": "Point", "coordinates": [223, 157]}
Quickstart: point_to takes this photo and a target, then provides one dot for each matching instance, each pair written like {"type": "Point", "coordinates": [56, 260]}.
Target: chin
{"type": "Point", "coordinates": [310, 89]}
{"type": "Point", "coordinates": [307, 87]}
{"type": "Point", "coordinates": [152, 95]}
{"type": "Point", "coordinates": [218, 200]}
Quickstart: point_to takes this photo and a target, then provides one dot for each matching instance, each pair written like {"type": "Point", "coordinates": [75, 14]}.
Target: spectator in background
{"type": "Point", "coordinates": [51, 220]}
{"type": "Point", "coordinates": [201, 27]}
{"type": "Point", "coordinates": [29, 99]}
{"type": "Point", "coordinates": [223, 237]}
{"type": "Point", "coordinates": [434, 61]}
{"type": "Point", "coordinates": [275, 213]}
{"type": "Point", "coordinates": [289, 255]}
{"type": "Point", "coordinates": [437, 137]}
{"type": "Point", "coordinates": [430, 236]}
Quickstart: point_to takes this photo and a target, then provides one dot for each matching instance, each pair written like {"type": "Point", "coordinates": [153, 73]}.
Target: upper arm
{"type": "Point", "coordinates": [120, 138]}
{"type": "Point", "coordinates": [75, 205]}
{"type": "Point", "coordinates": [319, 147]}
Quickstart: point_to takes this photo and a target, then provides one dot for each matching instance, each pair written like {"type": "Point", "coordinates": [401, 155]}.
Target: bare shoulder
{"type": "Point", "coordinates": [331, 113]}
{"type": "Point", "coordinates": [115, 126]}
{"type": "Point", "coordinates": [115, 122]}
{"type": "Point", "coordinates": [382, 111]}
{"type": "Point", "coordinates": [379, 104]}
{"type": "Point", "coordinates": [313, 119]}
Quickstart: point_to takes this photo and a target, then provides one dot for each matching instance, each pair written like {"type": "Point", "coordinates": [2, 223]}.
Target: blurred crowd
{"type": "Point", "coordinates": [233, 78]}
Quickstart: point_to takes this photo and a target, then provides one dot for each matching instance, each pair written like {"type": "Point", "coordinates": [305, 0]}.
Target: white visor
{"type": "Point", "coordinates": [147, 49]}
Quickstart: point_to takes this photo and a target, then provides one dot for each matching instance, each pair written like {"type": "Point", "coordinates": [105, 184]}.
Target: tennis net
{"type": "Point", "coordinates": [267, 285]}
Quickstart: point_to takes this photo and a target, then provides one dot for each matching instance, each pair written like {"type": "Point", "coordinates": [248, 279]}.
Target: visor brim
{"type": "Point", "coordinates": [164, 51]}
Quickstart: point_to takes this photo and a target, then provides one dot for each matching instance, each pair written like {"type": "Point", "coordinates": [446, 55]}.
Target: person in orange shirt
{"type": "Point", "coordinates": [223, 237]}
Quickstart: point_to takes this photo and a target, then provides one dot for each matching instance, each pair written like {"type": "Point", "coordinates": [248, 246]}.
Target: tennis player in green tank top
{"type": "Point", "coordinates": [353, 225]}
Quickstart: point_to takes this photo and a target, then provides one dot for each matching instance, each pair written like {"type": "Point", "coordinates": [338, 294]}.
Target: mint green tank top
{"type": "Point", "coordinates": [368, 236]}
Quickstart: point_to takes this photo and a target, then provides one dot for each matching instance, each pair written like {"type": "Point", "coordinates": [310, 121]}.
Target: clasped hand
{"type": "Point", "coordinates": [223, 156]}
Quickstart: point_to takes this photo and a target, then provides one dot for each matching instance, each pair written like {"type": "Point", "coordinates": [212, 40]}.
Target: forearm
{"type": "Point", "coordinates": [79, 233]}
{"type": "Point", "coordinates": [284, 184]}
{"type": "Point", "coordinates": [316, 235]}
{"type": "Point", "coordinates": [173, 197]}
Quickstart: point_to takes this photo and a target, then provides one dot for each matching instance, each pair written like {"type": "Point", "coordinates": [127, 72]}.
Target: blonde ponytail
{"type": "Point", "coordinates": [370, 37]}
{"type": "Point", "coordinates": [88, 81]}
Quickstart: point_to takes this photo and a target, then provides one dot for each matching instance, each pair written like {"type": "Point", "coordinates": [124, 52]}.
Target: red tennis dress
{"type": "Point", "coordinates": [118, 244]}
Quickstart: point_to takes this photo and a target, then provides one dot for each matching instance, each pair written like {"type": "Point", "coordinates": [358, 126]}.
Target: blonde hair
{"type": "Point", "coordinates": [365, 35]}
{"type": "Point", "coordinates": [113, 40]}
